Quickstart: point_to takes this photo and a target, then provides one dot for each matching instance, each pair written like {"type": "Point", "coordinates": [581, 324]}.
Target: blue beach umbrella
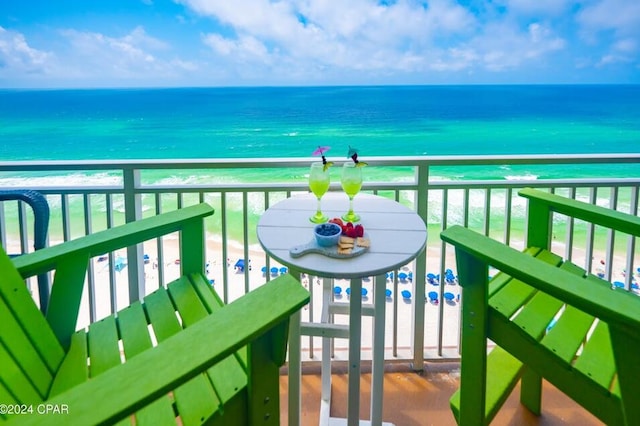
{"type": "Point", "coordinates": [432, 278]}
{"type": "Point", "coordinates": [120, 263]}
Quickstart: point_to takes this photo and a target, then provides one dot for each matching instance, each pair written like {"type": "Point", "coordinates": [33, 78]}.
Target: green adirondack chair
{"type": "Point", "coordinates": [548, 318]}
{"type": "Point", "coordinates": [211, 364]}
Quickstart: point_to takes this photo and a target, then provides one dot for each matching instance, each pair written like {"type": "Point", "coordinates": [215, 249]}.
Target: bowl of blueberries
{"type": "Point", "coordinates": [327, 234]}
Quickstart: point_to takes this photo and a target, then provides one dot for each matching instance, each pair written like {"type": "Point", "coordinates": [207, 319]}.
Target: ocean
{"type": "Point", "coordinates": [262, 122]}
{"type": "Point", "coordinates": [292, 121]}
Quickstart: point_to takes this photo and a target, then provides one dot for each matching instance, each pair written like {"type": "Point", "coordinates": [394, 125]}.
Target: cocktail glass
{"type": "Point", "coordinates": [351, 181]}
{"type": "Point", "coordinates": [319, 180]}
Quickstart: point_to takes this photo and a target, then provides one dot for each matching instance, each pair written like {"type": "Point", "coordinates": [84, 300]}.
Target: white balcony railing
{"type": "Point", "coordinates": [86, 196]}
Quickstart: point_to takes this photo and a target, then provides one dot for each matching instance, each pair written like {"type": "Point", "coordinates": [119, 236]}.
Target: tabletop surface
{"type": "Point", "coordinates": [397, 234]}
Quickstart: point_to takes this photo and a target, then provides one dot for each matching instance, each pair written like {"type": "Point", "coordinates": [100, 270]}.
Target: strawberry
{"type": "Point", "coordinates": [359, 230]}
{"type": "Point", "coordinates": [337, 221]}
{"type": "Point", "coordinates": [351, 232]}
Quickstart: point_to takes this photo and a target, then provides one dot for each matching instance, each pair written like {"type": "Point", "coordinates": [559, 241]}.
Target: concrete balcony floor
{"type": "Point", "coordinates": [412, 399]}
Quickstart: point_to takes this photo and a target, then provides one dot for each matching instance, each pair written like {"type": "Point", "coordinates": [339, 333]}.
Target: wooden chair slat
{"type": "Point", "coordinates": [162, 314]}
{"type": "Point", "coordinates": [511, 297]}
{"type": "Point", "coordinates": [596, 360]}
{"type": "Point", "coordinates": [212, 302]}
{"type": "Point", "coordinates": [23, 390]}
{"type": "Point", "coordinates": [104, 352]}
{"type": "Point", "coordinates": [206, 294]}
{"type": "Point", "coordinates": [568, 333]}
{"type": "Point", "coordinates": [227, 377]}
{"type": "Point", "coordinates": [536, 315]}
{"type": "Point", "coordinates": [6, 398]}
{"type": "Point", "coordinates": [134, 332]}
{"type": "Point", "coordinates": [230, 375]}
{"type": "Point", "coordinates": [17, 298]}
{"type": "Point", "coordinates": [508, 370]}
{"type": "Point", "coordinates": [13, 337]}
{"type": "Point", "coordinates": [195, 399]}
{"type": "Point", "coordinates": [186, 301]}
{"type": "Point", "coordinates": [159, 412]}
{"type": "Point", "coordinates": [132, 327]}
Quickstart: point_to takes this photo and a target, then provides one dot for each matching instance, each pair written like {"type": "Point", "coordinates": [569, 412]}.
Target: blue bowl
{"type": "Point", "coordinates": [327, 234]}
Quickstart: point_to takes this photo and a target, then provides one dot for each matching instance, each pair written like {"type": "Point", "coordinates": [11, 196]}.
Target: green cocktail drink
{"type": "Point", "coordinates": [351, 187]}
{"type": "Point", "coordinates": [319, 180]}
{"type": "Point", "coordinates": [318, 187]}
{"type": "Point", "coordinates": [351, 181]}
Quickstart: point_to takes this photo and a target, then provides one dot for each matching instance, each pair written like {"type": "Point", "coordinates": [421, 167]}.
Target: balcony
{"type": "Point", "coordinates": [420, 398]}
{"type": "Point", "coordinates": [88, 196]}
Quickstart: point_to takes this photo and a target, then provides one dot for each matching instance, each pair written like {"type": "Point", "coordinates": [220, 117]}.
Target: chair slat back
{"type": "Point", "coordinates": [29, 351]}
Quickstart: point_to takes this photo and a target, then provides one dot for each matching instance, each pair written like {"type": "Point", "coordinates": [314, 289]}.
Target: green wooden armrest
{"type": "Point", "coordinates": [543, 204]}
{"type": "Point", "coordinates": [139, 381]}
{"type": "Point", "coordinates": [601, 301]}
{"type": "Point", "coordinates": [111, 239]}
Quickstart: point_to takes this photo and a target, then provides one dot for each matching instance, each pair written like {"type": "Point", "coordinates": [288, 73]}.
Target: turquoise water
{"type": "Point", "coordinates": [292, 122]}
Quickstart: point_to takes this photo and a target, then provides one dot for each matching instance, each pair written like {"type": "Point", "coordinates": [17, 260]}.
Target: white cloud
{"type": "Point", "coordinates": [16, 56]}
{"type": "Point", "coordinates": [501, 47]}
{"type": "Point", "coordinates": [133, 55]}
{"type": "Point", "coordinates": [613, 25]}
{"type": "Point", "coordinates": [324, 41]}
{"type": "Point", "coordinates": [538, 8]}
{"type": "Point", "coordinates": [131, 50]}
{"type": "Point", "coordinates": [627, 45]}
{"type": "Point", "coordinates": [620, 16]}
{"type": "Point", "coordinates": [358, 35]}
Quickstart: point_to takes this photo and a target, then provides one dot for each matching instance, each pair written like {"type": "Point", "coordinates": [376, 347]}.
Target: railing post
{"type": "Point", "coordinates": [133, 212]}
{"type": "Point", "coordinates": [631, 241]}
{"type": "Point", "coordinates": [418, 306]}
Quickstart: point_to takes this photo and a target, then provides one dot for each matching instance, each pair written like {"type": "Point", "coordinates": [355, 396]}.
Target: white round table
{"type": "Point", "coordinates": [397, 235]}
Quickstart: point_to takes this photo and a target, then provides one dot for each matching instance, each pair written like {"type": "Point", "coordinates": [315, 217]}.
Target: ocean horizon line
{"type": "Point", "coordinates": [302, 86]}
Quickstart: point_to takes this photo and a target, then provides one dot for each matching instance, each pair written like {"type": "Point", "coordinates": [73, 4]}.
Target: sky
{"type": "Point", "coordinates": [188, 43]}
